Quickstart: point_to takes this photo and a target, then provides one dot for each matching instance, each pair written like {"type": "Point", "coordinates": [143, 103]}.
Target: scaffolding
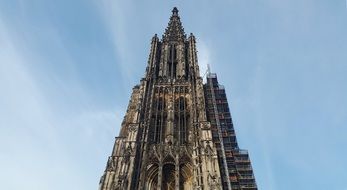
{"type": "Point", "coordinates": [236, 169]}
{"type": "Point", "coordinates": [220, 133]}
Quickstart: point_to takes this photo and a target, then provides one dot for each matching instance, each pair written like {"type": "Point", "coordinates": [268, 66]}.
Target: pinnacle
{"type": "Point", "coordinates": [175, 11]}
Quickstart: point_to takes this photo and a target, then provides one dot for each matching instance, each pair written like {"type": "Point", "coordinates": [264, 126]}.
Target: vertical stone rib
{"type": "Point", "coordinates": [173, 132]}
{"type": "Point", "coordinates": [160, 173]}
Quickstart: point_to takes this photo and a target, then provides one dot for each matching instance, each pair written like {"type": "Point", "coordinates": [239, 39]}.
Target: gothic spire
{"type": "Point", "coordinates": [174, 30]}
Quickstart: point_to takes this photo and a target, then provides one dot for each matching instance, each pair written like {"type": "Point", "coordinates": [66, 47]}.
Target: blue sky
{"type": "Point", "coordinates": [67, 69]}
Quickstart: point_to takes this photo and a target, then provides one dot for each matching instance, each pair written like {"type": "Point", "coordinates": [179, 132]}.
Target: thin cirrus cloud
{"type": "Point", "coordinates": [203, 57]}
{"type": "Point", "coordinates": [44, 113]}
{"type": "Point", "coordinates": [67, 69]}
{"type": "Point", "coordinates": [26, 129]}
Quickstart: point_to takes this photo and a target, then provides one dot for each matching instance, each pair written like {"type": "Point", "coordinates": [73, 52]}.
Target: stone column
{"type": "Point", "coordinates": [170, 121]}
{"type": "Point", "coordinates": [160, 173]}
{"type": "Point", "coordinates": [177, 174]}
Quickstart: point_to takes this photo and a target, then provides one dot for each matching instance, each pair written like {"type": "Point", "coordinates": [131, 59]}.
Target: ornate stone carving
{"type": "Point", "coordinates": [167, 140]}
{"type": "Point", "coordinates": [133, 127]}
{"type": "Point", "coordinates": [205, 125]}
{"type": "Point", "coordinates": [213, 181]}
{"type": "Point", "coordinates": [110, 163]}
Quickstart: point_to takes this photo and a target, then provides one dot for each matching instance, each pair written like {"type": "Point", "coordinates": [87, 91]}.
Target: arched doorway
{"type": "Point", "coordinates": [168, 177]}
{"type": "Point", "coordinates": [186, 177]}
{"type": "Point", "coordinates": [152, 177]}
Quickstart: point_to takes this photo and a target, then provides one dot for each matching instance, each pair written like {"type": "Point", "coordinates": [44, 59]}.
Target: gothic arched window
{"type": "Point", "coordinates": [172, 61]}
{"type": "Point", "coordinates": [182, 119]}
{"type": "Point", "coordinates": [161, 104]}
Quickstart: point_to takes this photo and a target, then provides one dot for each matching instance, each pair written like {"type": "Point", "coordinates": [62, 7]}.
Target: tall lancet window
{"type": "Point", "coordinates": [159, 116]}
{"type": "Point", "coordinates": [172, 61]}
{"type": "Point", "coordinates": [181, 120]}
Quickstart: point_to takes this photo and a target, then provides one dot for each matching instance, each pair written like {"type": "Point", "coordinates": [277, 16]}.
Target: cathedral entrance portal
{"type": "Point", "coordinates": [168, 177]}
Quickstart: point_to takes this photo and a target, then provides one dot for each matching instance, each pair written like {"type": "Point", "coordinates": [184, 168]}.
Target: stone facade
{"type": "Point", "coordinates": [165, 140]}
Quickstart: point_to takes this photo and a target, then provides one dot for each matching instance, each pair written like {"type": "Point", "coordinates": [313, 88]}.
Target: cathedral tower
{"type": "Point", "coordinates": [166, 139]}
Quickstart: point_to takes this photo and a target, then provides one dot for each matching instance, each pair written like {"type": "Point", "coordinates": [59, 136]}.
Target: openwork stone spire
{"type": "Point", "coordinates": [175, 30]}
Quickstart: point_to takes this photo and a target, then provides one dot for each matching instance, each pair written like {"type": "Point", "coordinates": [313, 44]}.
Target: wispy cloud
{"type": "Point", "coordinates": [260, 129]}
{"type": "Point", "coordinates": [204, 57]}
{"type": "Point", "coordinates": [288, 105]}
{"type": "Point", "coordinates": [27, 131]}
{"type": "Point", "coordinates": [39, 137]}
{"type": "Point", "coordinates": [116, 18]}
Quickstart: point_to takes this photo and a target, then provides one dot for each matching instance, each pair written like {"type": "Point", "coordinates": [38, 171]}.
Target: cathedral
{"type": "Point", "coordinates": [177, 132]}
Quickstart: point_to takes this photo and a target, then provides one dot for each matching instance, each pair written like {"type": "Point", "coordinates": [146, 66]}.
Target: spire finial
{"type": "Point", "coordinates": [175, 11]}
{"type": "Point", "coordinates": [174, 31]}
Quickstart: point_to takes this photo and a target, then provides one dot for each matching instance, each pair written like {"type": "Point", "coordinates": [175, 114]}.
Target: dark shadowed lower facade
{"type": "Point", "coordinates": [177, 132]}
